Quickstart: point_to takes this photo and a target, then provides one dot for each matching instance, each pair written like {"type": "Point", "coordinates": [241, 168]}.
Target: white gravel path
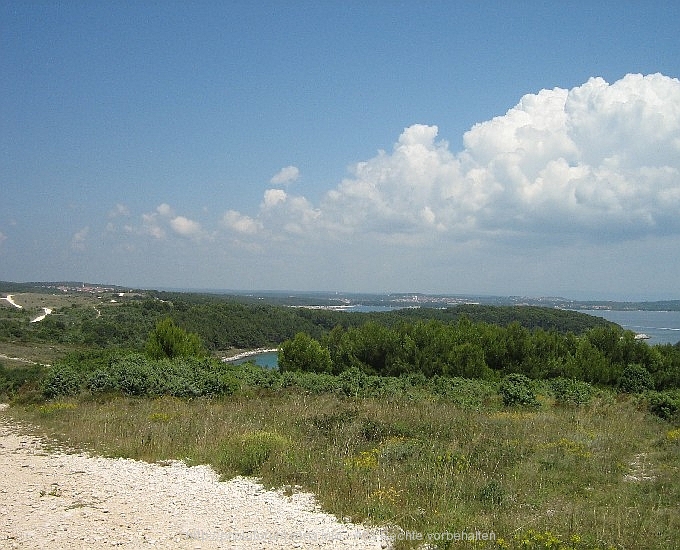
{"type": "Point", "coordinates": [53, 500]}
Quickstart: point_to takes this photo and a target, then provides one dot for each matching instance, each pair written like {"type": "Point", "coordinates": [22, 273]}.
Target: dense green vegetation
{"type": "Point", "coordinates": [602, 355]}
{"type": "Point", "coordinates": [224, 322]}
{"type": "Point", "coordinates": [156, 345]}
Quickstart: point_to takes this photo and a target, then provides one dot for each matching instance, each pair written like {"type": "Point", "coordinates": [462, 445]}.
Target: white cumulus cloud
{"type": "Point", "coordinates": [286, 175]}
{"type": "Point", "coordinates": [150, 226]}
{"type": "Point", "coordinates": [120, 210]}
{"type": "Point", "coordinates": [185, 227]}
{"type": "Point", "coordinates": [599, 161]}
{"type": "Point", "coordinates": [596, 164]}
{"type": "Point", "coordinates": [241, 223]}
{"type": "Point", "coordinates": [272, 197]}
{"type": "Point", "coordinates": [164, 209]}
{"type": "Point", "coordinates": [163, 219]}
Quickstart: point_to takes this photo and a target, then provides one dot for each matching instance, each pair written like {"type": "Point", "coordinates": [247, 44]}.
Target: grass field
{"type": "Point", "coordinates": [602, 475]}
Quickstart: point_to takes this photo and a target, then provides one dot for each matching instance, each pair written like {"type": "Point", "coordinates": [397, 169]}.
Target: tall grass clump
{"type": "Point", "coordinates": [245, 454]}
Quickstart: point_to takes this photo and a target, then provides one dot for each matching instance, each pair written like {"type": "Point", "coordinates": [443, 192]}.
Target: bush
{"type": "Point", "coordinates": [571, 391]}
{"type": "Point", "coordinates": [388, 387]}
{"type": "Point", "coordinates": [635, 379]}
{"type": "Point", "coordinates": [663, 405]}
{"type": "Point", "coordinates": [61, 380]}
{"type": "Point", "coordinates": [101, 381]}
{"type": "Point", "coordinates": [185, 377]}
{"type": "Point", "coordinates": [464, 392]}
{"type": "Point", "coordinates": [352, 382]}
{"type": "Point", "coordinates": [314, 383]}
{"type": "Point", "coordinates": [227, 384]}
{"type": "Point", "coordinates": [304, 353]}
{"type": "Point", "coordinates": [260, 377]}
{"type": "Point", "coordinates": [135, 375]}
{"type": "Point", "coordinates": [516, 389]}
{"type": "Point", "coordinates": [168, 340]}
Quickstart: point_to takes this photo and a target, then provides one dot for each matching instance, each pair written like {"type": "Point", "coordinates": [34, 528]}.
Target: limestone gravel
{"type": "Point", "coordinates": [51, 499]}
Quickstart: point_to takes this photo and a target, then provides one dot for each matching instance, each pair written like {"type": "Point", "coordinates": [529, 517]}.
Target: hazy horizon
{"type": "Point", "coordinates": [292, 291]}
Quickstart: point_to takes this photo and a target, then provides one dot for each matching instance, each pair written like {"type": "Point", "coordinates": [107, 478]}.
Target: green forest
{"type": "Point", "coordinates": [104, 341]}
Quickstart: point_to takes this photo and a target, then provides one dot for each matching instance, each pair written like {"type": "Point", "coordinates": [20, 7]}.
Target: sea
{"type": "Point", "coordinates": [267, 359]}
{"type": "Point", "coordinates": [662, 327]}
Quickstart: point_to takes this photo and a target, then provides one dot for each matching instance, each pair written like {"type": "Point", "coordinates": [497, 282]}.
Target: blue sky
{"type": "Point", "coordinates": [527, 148]}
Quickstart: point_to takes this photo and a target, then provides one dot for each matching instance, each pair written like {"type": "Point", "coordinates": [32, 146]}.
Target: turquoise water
{"type": "Point", "coordinates": [269, 359]}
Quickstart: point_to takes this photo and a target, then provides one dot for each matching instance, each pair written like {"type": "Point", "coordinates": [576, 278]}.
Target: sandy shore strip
{"type": "Point", "coordinates": [52, 500]}
{"type": "Point", "coordinates": [249, 353]}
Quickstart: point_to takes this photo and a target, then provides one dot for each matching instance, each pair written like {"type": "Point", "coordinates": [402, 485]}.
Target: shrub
{"type": "Point", "coordinates": [12, 379]}
{"type": "Point", "coordinates": [314, 383]}
{"type": "Point", "coordinates": [635, 379]}
{"type": "Point", "coordinates": [101, 381]}
{"type": "Point", "coordinates": [352, 381]}
{"type": "Point", "coordinates": [168, 340]}
{"type": "Point", "coordinates": [227, 384]}
{"type": "Point", "coordinates": [388, 387]}
{"type": "Point", "coordinates": [262, 377]}
{"type": "Point", "coordinates": [516, 389]}
{"type": "Point", "coordinates": [61, 380]}
{"type": "Point", "coordinates": [663, 405]}
{"type": "Point", "coordinates": [464, 392]}
{"type": "Point", "coordinates": [571, 391]}
{"type": "Point", "coordinates": [135, 375]}
{"type": "Point", "coordinates": [304, 353]}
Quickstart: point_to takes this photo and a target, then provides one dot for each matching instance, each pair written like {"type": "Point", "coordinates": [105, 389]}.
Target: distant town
{"type": "Point", "coordinates": [341, 300]}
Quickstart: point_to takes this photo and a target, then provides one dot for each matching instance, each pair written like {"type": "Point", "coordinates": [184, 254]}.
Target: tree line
{"type": "Point", "coordinates": [482, 350]}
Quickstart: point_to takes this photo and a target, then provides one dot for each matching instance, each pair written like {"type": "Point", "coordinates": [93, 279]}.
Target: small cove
{"type": "Point", "coordinates": [267, 359]}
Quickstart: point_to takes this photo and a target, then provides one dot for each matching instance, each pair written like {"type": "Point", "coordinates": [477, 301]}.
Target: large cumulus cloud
{"type": "Point", "coordinates": [598, 158]}
{"type": "Point", "coordinates": [600, 161]}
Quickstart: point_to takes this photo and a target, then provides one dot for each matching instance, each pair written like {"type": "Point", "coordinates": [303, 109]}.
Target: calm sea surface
{"type": "Point", "coordinates": [269, 359]}
{"type": "Point", "coordinates": [662, 326]}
